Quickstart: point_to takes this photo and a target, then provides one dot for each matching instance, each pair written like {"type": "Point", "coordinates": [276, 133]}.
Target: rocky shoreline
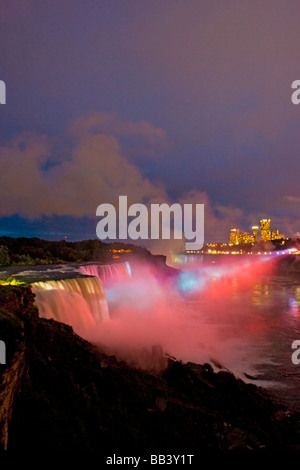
{"type": "Point", "coordinates": [59, 392]}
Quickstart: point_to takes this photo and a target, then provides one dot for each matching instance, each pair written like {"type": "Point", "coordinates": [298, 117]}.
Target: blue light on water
{"type": "Point", "coordinates": [189, 281]}
{"type": "Point", "coordinates": [128, 267]}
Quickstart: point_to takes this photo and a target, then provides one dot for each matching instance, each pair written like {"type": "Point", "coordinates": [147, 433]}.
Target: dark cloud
{"type": "Point", "coordinates": [160, 98]}
{"type": "Point", "coordinates": [96, 171]}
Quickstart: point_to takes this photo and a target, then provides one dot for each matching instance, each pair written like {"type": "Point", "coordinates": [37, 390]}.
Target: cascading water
{"type": "Point", "coordinates": [108, 273]}
{"type": "Point", "coordinates": [79, 302]}
{"type": "Point", "coordinates": [242, 314]}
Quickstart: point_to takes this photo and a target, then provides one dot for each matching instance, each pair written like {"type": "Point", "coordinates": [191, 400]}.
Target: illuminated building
{"type": "Point", "coordinates": [275, 235]}
{"type": "Point", "coordinates": [246, 238]}
{"type": "Point", "coordinates": [265, 229]}
{"type": "Point", "coordinates": [237, 238]}
{"type": "Point", "coordinates": [255, 231]}
{"type": "Point", "coordinates": [234, 236]}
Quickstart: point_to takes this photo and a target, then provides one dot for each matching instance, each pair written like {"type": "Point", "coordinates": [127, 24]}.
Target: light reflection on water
{"type": "Point", "coordinates": [264, 322]}
{"type": "Point", "coordinates": [274, 302]}
{"type": "Point", "coordinates": [255, 323]}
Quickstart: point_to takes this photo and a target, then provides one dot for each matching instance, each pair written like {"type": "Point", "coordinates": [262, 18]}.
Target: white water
{"type": "Point", "coordinates": [108, 273]}
{"type": "Point", "coordinates": [246, 320]}
{"type": "Point", "coordinates": [79, 302]}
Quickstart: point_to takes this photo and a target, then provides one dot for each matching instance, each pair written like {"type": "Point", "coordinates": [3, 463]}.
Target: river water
{"type": "Point", "coordinates": [256, 314]}
{"type": "Point", "coordinates": [236, 316]}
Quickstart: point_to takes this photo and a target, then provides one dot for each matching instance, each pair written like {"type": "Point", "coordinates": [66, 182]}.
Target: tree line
{"type": "Point", "coordinates": [34, 251]}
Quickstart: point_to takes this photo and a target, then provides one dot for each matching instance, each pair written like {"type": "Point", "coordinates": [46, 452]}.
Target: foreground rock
{"type": "Point", "coordinates": [59, 392]}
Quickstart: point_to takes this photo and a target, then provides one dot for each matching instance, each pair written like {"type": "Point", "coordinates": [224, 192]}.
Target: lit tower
{"type": "Point", "coordinates": [234, 236]}
{"type": "Point", "coordinates": [265, 229]}
{"type": "Point", "coordinates": [255, 230]}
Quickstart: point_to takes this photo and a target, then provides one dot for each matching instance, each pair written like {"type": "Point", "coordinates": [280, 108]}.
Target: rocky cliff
{"type": "Point", "coordinates": [59, 392]}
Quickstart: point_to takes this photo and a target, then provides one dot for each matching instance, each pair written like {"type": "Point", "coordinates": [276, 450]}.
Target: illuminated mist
{"type": "Point", "coordinates": [196, 315]}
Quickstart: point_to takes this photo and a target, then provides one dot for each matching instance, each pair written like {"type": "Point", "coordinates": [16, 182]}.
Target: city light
{"type": "Point", "coordinates": [244, 243]}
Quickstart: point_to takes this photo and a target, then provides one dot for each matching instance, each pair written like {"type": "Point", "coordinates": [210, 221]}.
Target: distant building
{"type": "Point", "coordinates": [246, 238]}
{"type": "Point", "coordinates": [237, 238]}
{"type": "Point", "coordinates": [255, 229]}
{"type": "Point", "coordinates": [234, 236]}
{"type": "Point", "coordinates": [275, 235]}
{"type": "Point", "coordinates": [265, 229]}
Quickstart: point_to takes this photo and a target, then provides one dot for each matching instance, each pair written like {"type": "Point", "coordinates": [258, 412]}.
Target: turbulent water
{"type": "Point", "coordinates": [240, 316]}
{"type": "Point", "coordinates": [256, 324]}
{"type": "Point", "coordinates": [108, 273]}
{"type": "Point", "coordinates": [79, 302]}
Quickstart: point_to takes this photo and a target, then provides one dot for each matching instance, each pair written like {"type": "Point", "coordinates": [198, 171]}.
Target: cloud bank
{"type": "Point", "coordinates": [38, 179]}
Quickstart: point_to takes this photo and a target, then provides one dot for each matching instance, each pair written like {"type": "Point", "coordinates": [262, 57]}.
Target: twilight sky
{"type": "Point", "coordinates": [160, 100]}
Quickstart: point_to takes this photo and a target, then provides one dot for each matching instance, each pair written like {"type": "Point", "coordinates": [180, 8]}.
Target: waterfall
{"type": "Point", "coordinates": [79, 302]}
{"type": "Point", "coordinates": [108, 273]}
